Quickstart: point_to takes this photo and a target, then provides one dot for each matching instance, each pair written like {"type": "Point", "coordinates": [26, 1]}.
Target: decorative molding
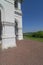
{"type": "Point", "coordinates": [8, 24]}
{"type": "Point", "coordinates": [9, 2]}
{"type": "Point", "coordinates": [8, 37]}
{"type": "Point", "coordinates": [17, 9]}
{"type": "Point", "coordinates": [19, 28]}
{"type": "Point", "coordinates": [18, 13]}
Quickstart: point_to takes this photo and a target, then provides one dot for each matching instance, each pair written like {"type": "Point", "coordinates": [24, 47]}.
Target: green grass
{"type": "Point", "coordinates": [33, 38]}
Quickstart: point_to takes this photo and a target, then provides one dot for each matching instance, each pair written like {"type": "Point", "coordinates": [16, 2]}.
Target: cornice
{"type": "Point", "coordinates": [9, 2]}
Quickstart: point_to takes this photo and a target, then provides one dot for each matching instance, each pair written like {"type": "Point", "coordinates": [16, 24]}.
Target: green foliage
{"type": "Point", "coordinates": [38, 34]}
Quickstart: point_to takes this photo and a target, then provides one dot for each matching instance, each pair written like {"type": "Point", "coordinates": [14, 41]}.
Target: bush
{"type": "Point", "coordinates": [38, 34]}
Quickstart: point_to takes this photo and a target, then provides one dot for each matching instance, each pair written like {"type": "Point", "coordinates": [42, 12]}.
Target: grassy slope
{"type": "Point", "coordinates": [32, 38]}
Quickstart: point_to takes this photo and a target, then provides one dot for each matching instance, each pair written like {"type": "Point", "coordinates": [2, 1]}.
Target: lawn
{"type": "Point", "coordinates": [33, 38]}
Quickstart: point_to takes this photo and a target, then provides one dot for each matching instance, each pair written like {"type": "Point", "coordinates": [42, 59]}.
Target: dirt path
{"type": "Point", "coordinates": [27, 52]}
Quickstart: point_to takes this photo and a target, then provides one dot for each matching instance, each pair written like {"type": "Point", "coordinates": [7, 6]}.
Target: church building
{"type": "Point", "coordinates": [10, 23]}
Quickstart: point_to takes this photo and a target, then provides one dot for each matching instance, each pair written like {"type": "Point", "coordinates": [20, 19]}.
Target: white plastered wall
{"type": "Point", "coordinates": [20, 33]}
{"type": "Point", "coordinates": [18, 18]}
{"type": "Point", "coordinates": [8, 32]}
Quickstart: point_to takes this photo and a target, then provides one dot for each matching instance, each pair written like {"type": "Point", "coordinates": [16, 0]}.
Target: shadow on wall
{"type": "Point", "coordinates": [16, 29]}
{"type": "Point", "coordinates": [0, 27]}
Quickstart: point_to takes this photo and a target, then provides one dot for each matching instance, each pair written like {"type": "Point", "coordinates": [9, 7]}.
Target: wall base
{"type": "Point", "coordinates": [20, 37]}
{"type": "Point", "coordinates": [8, 43]}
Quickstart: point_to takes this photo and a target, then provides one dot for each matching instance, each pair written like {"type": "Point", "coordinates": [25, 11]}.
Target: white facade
{"type": "Point", "coordinates": [11, 19]}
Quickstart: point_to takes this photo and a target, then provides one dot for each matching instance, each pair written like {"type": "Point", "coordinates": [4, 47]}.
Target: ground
{"type": "Point", "coordinates": [27, 52]}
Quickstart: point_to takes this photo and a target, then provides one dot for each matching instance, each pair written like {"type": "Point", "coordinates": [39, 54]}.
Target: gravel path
{"type": "Point", "coordinates": [27, 52]}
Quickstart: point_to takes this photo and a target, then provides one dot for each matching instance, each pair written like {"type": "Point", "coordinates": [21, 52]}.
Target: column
{"type": "Point", "coordinates": [19, 5]}
{"type": "Point", "coordinates": [20, 32]}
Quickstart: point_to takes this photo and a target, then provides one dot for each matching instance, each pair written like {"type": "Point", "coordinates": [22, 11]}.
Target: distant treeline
{"type": "Point", "coordinates": [38, 34]}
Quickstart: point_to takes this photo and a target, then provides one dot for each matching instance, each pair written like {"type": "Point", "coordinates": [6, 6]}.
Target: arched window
{"type": "Point", "coordinates": [0, 26]}
{"type": "Point", "coordinates": [16, 4]}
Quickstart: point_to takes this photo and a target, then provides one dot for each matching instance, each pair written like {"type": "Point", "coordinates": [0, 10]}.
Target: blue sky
{"type": "Point", "coordinates": [32, 15]}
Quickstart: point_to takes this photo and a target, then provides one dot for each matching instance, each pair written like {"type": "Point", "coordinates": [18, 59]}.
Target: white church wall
{"type": "Point", "coordinates": [9, 12]}
{"type": "Point", "coordinates": [8, 32]}
{"type": "Point", "coordinates": [2, 8]}
{"type": "Point", "coordinates": [8, 43]}
{"type": "Point", "coordinates": [19, 5]}
{"type": "Point", "coordinates": [2, 14]}
{"type": "Point", "coordinates": [19, 21]}
{"type": "Point", "coordinates": [10, 1]}
{"type": "Point", "coordinates": [20, 33]}
{"type": "Point", "coordinates": [8, 21]}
